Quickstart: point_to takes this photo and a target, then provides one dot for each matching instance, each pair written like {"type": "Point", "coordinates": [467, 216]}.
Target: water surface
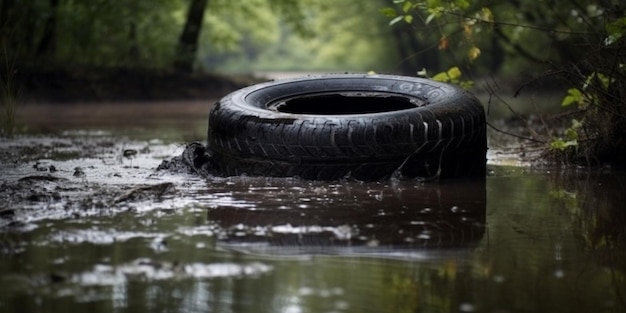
{"type": "Point", "coordinates": [120, 236]}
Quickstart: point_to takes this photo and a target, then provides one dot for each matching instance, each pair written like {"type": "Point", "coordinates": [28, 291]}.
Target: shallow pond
{"type": "Point", "coordinates": [87, 222]}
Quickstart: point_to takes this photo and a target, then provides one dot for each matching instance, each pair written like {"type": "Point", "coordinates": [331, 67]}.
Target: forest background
{"type": "Point", "coordinates": [573, 47]}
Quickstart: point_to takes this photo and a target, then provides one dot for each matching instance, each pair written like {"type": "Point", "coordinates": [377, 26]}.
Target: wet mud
{"type": "Point", "coordinates": [47, 178]}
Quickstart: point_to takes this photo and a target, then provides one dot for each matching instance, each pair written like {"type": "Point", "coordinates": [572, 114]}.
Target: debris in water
{"type": "Point", "coordinates": [78, 172]}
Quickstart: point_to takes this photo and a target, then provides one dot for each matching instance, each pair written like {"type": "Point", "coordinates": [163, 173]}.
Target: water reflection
{"type": "Point", "coordinates": [596, 204]}
{"type": "Point", "coordinates": [516, 242]}
{"type": "Point", "coordinates": [367, 218]}
{"type": "Point", "coordinates": [543, 250]}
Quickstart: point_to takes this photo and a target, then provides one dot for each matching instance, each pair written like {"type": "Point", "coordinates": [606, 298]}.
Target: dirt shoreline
{"type": "Point", "coordinates": [69, 86]}
{"type": "Point", "coordinates": [129, 113]}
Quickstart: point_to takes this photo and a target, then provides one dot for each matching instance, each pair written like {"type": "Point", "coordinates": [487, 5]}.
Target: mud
{"type": "Point", "coordinates": [78, 175]}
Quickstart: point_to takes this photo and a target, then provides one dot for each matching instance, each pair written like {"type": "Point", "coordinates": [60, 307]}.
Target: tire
{"type": "Point", "coordinates": [367, 127]}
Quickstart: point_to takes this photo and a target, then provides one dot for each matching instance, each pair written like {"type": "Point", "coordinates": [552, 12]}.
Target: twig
{"type": "Point", "coordinates": [515, 135]}
{"type": "Point", "coordinates": [528, 26]}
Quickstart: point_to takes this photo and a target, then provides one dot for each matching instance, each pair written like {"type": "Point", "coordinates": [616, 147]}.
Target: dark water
{"type": "Point", "coordinates": [123, 237]}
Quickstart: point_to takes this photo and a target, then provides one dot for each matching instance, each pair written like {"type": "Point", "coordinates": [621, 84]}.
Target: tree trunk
{"type": "Point", "coordinates": [414, 56]}
{"type": "Point", "coordinates": [188, 41]}
{"type": "Point", "coordinates": [133, 51]}
{"type": "Point", "coordinates": [47, 44]}
{"type": "Point", "coordinates": [6, 6]}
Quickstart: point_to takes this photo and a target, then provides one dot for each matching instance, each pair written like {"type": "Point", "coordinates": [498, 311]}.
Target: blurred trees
{"type": "Point", "coordinates": [188, 42]}
{"type": "Point", "coordinates": [509, 37]}
{"type": "Point", "coordinates": [185, 34]}
{"type": "Point", "coordinates": [518, 35]}
{"type": "Point", "coordinates": [142, 33]}
{"type": "Point", "coordinates": [95, 33]}
{"type": "Point", "coordinates": [345, 35]}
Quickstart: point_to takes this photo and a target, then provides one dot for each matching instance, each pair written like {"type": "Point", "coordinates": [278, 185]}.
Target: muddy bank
{"type": "Point", "coordinates": [84, 173]}
{"type": "Point", "coordinates": [121, 84]}
{"type": "Point", "coordinates": [80, 174]}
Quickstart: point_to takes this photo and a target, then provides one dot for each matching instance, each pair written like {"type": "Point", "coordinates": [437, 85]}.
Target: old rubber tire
{"type": "Point", "coordinates": [363, 126]}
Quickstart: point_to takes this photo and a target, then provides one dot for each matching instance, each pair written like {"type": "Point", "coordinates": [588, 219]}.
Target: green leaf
{"type": "Point", "coordinates": [611, 39]}
{"type": "Point", "coordinates": [559, 144]}
{"type": "Point", "coordinates": [604, 80]}
{"type": "Point", "coordinates": [615, 30]}
{"type": "Point", "coordinates": [473, 53]}
{"type": "Point", "coordinates": [571, 134]}
{"type": "Point", "coordinates": [466, 84]}
{"type": "Point", "coordinates": [454, 73]}
{"type": "Point", "coordinates": [442, 77]}
{"type": "Point", "coordinates": [486, 15]}
{"type": "Point", "coordinates": [407, 6]}
{"type": "Point", "coordinates": [408, 18]}
{"type": "Point", "coordinates": [434, 13]}
{"type": "Point", "coordinates": [430, 18]}
{"type": "Point", "coordinates": [422, 73]}
{"type": "Point", "coordinates": [574, 95]}
{"type": "Point", "coordinates": [596, 77]}
{"type": "Point", "coordinates": [388, 12]}
{"type": "Point", "coordinates": [462, 4]}
{"type": "Point", "coordinates": [396, 20]}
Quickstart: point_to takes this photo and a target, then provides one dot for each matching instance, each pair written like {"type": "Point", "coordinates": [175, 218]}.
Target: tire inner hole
{"type": "Point", "coordinates": [345, 103]}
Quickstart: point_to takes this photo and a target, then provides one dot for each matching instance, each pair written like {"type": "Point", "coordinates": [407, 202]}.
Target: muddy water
{"type": "Point", "coordinates": [87, 222]}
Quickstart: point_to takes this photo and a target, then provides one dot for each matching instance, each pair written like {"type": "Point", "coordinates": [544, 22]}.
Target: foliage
{"type": "Point", "coordinates": [452, 76]}
{"type": "Point", "coordinates": [569, 139]}
{"type": "Point", "coordinates": [455, 23]}
{"type": "Point", "coordinates": [586, 48]}
{"type": "Point", "coordinates": [598, 100]}
{"type": "Point", "coordinates": [142, 33]}
{"type": "Point", "coordinates": [94, 33]}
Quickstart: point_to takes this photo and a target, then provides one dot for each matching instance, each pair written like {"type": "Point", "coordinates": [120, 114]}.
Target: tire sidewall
{"type": "Point", "coordinates": [254, 99]}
